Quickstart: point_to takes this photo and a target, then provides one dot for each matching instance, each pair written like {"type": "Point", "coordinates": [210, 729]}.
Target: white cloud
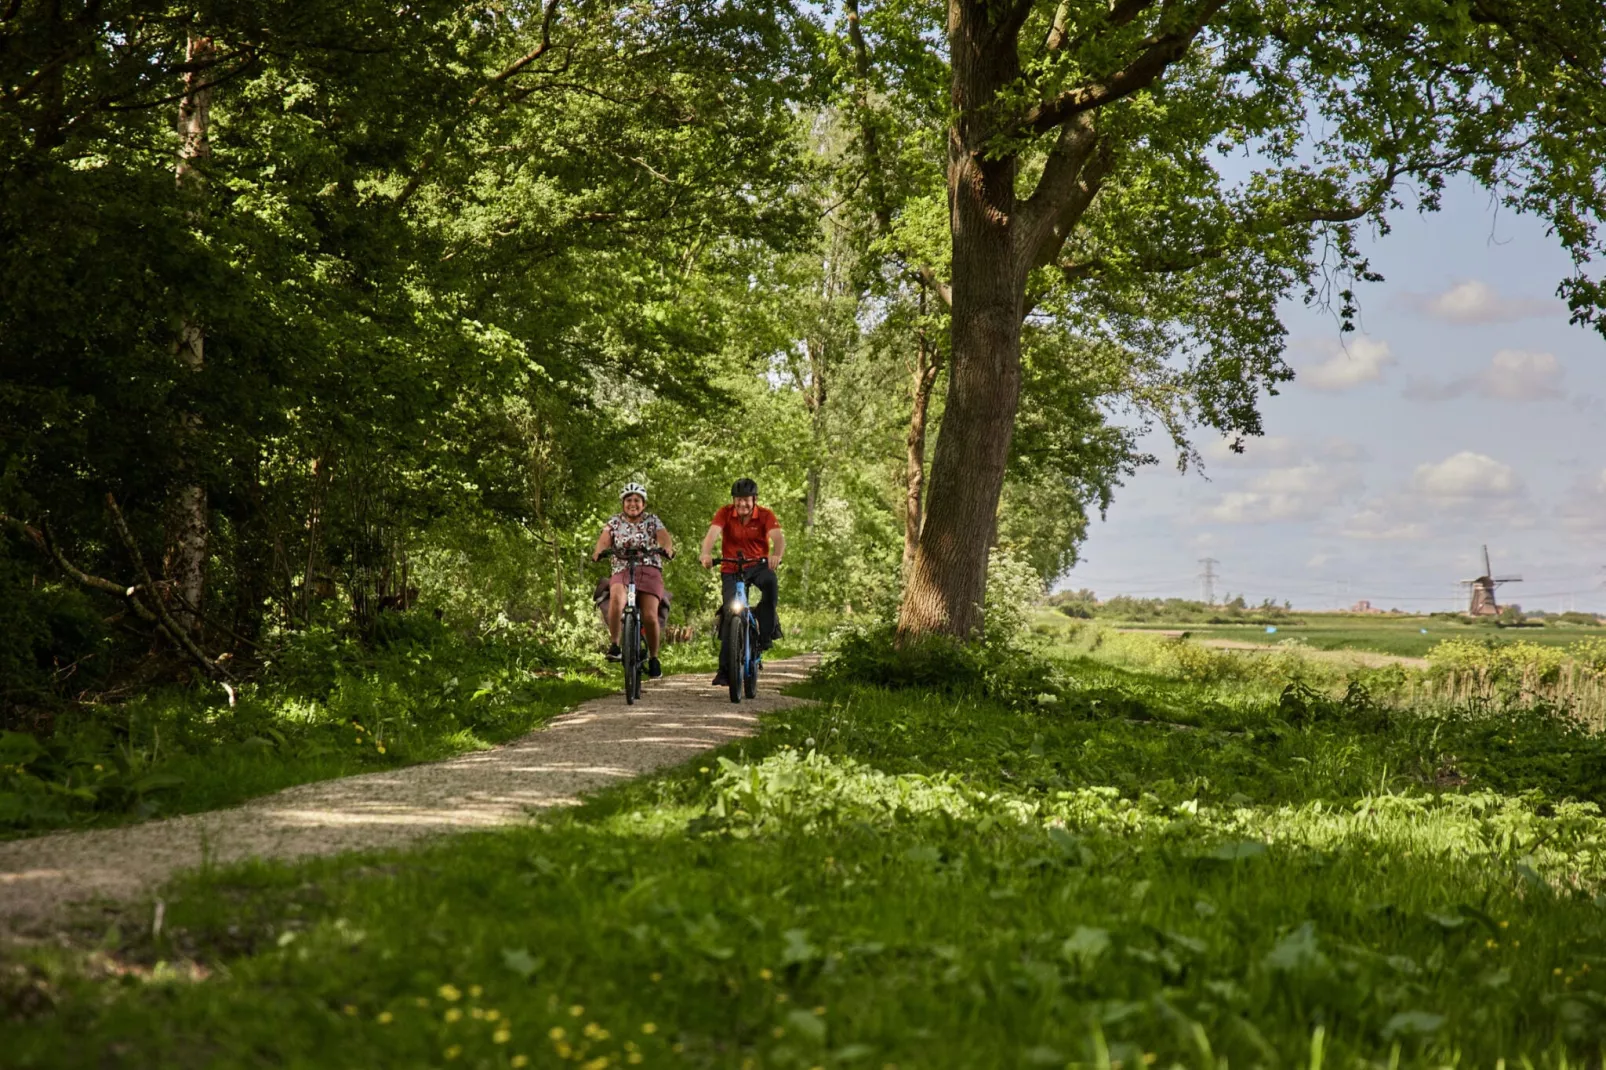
{"type": "Point", "coordinates": [1466, 476]}
{"type": "Point", "coordinates": [1584, 508]}
{"type": "Point", "coordinates": [1361, 361]}
{"type": "Point", "coordinates": [1301, 492]}
{"type": "Point", "coordinates": [1464, 488]}
{"type": "Point", "coordinates": [1512, 375]}
{"type": "Point", "coordinates": [1380, 520]}
{"type": "Point", "coordinates": [1270, 451]}
{"type": "Point", "coordinates": [1473, 301]}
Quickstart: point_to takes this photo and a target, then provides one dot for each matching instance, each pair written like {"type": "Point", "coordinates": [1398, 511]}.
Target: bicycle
{"type": "Point", "coordinates": [740, 658]}
{"type": "Point", "coordinates": [632, 638]}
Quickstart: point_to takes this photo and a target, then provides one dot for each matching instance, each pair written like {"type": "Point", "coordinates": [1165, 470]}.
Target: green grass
{"type": "Point", "coordinates": [1143, 869]}
{"type": "Point", "coordinates": [1388, 635]}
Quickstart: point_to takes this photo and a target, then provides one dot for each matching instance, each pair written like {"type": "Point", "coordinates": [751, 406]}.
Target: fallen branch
{"type": "Point", "coordinates": [164, 619]}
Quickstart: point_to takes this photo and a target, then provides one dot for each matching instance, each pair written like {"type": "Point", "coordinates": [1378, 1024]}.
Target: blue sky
{"type": "Point", "coordinates": [1465, 411]}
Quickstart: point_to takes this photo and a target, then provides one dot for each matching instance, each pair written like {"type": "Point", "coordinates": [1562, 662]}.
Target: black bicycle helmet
{"type": "Point", "coordinates": [744, 488]}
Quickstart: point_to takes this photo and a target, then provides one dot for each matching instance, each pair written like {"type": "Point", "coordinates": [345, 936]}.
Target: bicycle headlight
{"type": "Point", "coordinates": [737, 605]}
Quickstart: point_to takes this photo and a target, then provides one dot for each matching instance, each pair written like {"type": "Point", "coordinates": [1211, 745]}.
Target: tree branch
{"type": "Point", "coordinates": [1044, 221]}
{"type": "Point", "coordinates": [1160, 51]}
{"type": "Point", "coordinates": [174, 631]}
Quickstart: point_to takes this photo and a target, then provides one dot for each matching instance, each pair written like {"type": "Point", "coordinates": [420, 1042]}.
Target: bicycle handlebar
{"type": "Point", "coordinates": [739, 560]}
{"type": "Point", "coordinates": [634, 553]}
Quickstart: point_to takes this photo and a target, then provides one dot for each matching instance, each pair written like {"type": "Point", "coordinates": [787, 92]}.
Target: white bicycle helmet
{"type": "Point", "coordinates": [633, 488]}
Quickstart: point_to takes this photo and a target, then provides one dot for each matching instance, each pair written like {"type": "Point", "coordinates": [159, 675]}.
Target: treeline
{"type": "Point", "coordinates": [313, 312]}
{"type": "Point", "coordinates": [1234, 609]}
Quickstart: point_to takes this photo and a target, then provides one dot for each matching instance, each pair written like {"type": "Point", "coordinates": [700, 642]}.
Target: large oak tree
{"type": "Point", "coordinates": [1159, 174]}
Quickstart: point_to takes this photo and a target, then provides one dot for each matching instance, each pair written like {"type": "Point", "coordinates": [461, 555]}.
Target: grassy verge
{"type": "Point", "coordinates": [1143, 871]}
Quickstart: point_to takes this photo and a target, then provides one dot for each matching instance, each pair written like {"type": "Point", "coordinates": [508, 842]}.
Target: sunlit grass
{"type": "Point", "coordinates": [1145, 872]}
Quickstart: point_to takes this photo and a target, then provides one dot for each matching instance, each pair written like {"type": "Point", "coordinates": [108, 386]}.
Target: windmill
{"type": "Point", "coordinates": [1483, 603]}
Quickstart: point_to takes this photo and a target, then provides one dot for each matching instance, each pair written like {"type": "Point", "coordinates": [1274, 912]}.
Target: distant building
{"type": "Point", "coordinates": [1363, 606]}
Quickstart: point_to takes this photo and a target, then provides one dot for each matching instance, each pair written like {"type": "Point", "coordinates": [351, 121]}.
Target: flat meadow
{"type": "Point", "coordinates": [1085, 853]}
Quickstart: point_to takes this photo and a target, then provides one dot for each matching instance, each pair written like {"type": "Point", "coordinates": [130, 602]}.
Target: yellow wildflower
{"type": "Point", "coordinates": [492, 1015]}
{"type": "Point", "coordinates": [349, 1010]}
{"type": "Point", "coordinates": [598, 1063]}
{"type": "Point", "coordinates": [453, 1014]}
{"type": "Point", "coordinates": [765, 973]}
{"type": "Point", "coordinates": [576, 1011]}
{"type": "Point", "coordinates": [453, 1052]}
{"type": "Point", "coordinates": [475, 990]}
{"type": "Point", "coordinates": [502, 1036]}
{"type": "Point", "coordinates": [677, 1047]}
{"type": "Point", "coordinates": [385, 1018]}
{"type": "Point", "coordinates": [563, 1050]}
{"type": "Point", "coordinates": [656, 977]}
{"type": "Point", "coordinates": [556, 1032]}
{"type": "Point", "coordinates": [518, 1061]}
{"type": "Point", "coordinates": [649, 1028]}
{"type": "Point", "coordinates": [449, 993]}
{"type": "Point", "coordinates": [477, 1013]}
{"type": "Point", "coordinates": [1505, 925]}
{"type": "Point", "coordinates": [633, 1058]}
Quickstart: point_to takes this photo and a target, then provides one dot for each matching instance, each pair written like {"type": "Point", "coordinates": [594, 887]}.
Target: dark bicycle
{"type": "Point", "coordinates": [632, 639]}
{"type": "Point", "coordinates": [740, 657]}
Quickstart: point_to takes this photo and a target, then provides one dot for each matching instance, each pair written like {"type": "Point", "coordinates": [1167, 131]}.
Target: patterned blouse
{"type": "Point", "coordinates": [636, 535]}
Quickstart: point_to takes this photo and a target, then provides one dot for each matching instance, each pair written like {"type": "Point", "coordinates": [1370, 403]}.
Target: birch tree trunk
{"type": "Point", "coordinates": [188, 511]}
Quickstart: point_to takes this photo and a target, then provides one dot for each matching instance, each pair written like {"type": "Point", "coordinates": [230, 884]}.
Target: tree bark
{"type": "Point", "coordinates": [815, 400]}
{"type": "Point", "coordinates": [948, 578]}
{"type": "Point", "coordinates": [928, 362]}
{"type": "Point", "coordinates": [188, 508]}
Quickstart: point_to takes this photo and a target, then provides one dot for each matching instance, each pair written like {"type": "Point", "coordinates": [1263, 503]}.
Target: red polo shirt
{"type": "Point", "coordinates": [750, 538]}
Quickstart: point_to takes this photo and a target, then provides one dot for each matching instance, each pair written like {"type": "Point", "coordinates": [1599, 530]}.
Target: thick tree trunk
{"type": "Point", "coordinates": [928, 361]}
{"type": "Point", "coordinates": [949, 575]}
{"type": "Point", "coordinates": [188, 511]}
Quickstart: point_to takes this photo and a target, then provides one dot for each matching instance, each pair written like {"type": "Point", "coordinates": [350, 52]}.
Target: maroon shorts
{"type": "Point", "coordinates": [648, 581]}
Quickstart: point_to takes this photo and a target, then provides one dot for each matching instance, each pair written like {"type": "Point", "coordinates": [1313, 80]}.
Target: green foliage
{"type": "Point", "coordinates": [331, 707]}
{"type": "Point", "coordinates": [927, 878]}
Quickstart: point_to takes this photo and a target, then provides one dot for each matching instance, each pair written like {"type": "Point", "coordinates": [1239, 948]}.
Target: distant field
{"type": "Point", "coordinates": [1408, 636]}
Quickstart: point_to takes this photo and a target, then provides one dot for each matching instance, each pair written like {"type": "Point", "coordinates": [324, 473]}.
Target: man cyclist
{"type": "Point", "coordinates": [633, 528]}
{"type": "Point", "coordinates": [751, 531]}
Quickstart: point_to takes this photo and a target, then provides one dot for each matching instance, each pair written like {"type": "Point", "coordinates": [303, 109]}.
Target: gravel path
{"type": "Point", "coordinates": [597, 744]}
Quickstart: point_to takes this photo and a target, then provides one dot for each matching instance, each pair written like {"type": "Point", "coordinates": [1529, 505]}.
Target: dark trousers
{"type": "Point", "coordinates": [762, 577]}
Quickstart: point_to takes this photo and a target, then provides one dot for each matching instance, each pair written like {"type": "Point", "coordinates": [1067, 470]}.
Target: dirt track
{"type": "Point", "coordinates": [597, 744]}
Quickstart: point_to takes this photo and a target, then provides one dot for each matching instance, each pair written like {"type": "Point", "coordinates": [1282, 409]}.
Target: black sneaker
{"type": "Point", "coordinates": [654, 670]}
{"type": "Point", "coordinates": [721, 680]}
{"type": "Point", "coordinates": [614, 653]}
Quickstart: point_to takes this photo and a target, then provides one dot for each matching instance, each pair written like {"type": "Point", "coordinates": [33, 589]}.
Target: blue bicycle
{"type": "Point", "coordinates": [740, 658]}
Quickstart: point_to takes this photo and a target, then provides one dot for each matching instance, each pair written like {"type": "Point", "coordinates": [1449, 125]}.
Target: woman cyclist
{"type": "Point", "coordinates": [633, 528]}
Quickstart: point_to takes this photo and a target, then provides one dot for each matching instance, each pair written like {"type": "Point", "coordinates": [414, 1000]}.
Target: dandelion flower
{"type": "Point", "coordinates": [453, 1014]}
{"type": "Point", "coordinates": [492, 1015]}
{"type": "Point", "coordinates": [1556, 971]}
{"type": "Point", "coordinates": [477, 1013]}
{"type": "Point", "coordinates": [475, 990]}
{"type": "Point", "coordinates": [599, 1063]}
{"type": "Point", "coordinates": [502, 1036]}
{"type": "Point", "coordinates": [633, 1058]}
{"type": "Point", "coordinates": [649, 1028]}
{"type": "Point", "coordinates": [656, 977]}
{"type": "Point", "coordinates": [453, 1052]}
{"type": "Point", "coordinates": [385, 1018]}
{"type": "Point", "coordinates": [519, 1061]}
{"type": "Point", "coordinates": [576, 1011]}
{"type": "Point", "coordinates": [563, 1050]}
{"type": "Point", "coordinates": [765, 973]}
{"type": "Point", "coordinates": [449, 993]}
{"type": "Point", "coordinates": [557, 1032]}
{"type": "Point", "coordinates": [1505, 925]}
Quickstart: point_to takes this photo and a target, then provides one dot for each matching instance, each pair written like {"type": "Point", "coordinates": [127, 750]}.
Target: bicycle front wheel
{"type": "Point", "coordinates": [631, 651]}
{"type": "Point", "coordinates": [735, 654]}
